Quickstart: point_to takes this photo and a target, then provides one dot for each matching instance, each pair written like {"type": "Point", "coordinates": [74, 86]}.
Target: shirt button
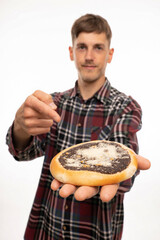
{"type": "Point", "coordinates": [84, 105]}
{"type": "Point", "coordinates": [66, 207]}
{"type": "Point", "coordinates": [64, 228]}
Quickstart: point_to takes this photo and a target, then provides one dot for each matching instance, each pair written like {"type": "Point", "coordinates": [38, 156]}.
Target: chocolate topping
{"type": "Point", "coordinates": [110, 158]}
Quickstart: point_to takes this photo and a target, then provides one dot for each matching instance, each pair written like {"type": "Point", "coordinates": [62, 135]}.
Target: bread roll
{"type": "Point", "coordinates": [94, 163]}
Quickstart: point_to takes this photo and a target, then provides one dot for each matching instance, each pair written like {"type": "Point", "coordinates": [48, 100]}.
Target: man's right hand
{"type": "Point", "coordinates": [34, 117]}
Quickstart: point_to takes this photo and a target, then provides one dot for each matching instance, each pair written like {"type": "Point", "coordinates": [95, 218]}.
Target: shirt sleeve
{"type": "Point", "coordinates": [124, 131]}
{"type": "Point", "coordinates": [35, 149]}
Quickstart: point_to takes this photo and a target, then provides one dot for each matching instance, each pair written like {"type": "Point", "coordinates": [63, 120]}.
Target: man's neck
{"type": "Point", "coordinates": [88, 89]}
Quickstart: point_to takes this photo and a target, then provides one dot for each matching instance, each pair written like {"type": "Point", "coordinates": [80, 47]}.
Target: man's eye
{"type": "Point", "coordinates": [81, 47]}
{"type": "Point", "coordinates": [98, 48]}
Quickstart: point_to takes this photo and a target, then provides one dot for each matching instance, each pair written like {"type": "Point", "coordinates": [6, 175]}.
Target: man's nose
{"type": "Point", "coordinates": [89, 55]}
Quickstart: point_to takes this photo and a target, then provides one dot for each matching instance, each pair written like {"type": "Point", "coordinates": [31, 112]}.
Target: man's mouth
{"type": "Point", "coordinates": [89, 66]}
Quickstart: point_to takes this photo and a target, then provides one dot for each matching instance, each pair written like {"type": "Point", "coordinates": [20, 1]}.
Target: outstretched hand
{"type": "Point", "coordinates": [34, 117]}
{"type": "Point", "coordinates": [107, 192]}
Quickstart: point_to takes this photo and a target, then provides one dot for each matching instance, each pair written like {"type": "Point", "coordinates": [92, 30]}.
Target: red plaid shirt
{"type": "Point", "coordinates": [109, 115]}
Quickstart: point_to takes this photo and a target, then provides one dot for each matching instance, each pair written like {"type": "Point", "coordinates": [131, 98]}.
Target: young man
{"type": "Point", "coordinates": [45, 125]}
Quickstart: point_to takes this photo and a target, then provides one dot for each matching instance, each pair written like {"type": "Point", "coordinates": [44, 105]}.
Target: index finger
{"type": "Point", "coordinates": [42, 96]}
{"type": "Point", "coordinates": [42, 108]}
{"type": "Point", "coordinates": [108, 192]}
{"type": "Point", "coordinates": [47, 98]}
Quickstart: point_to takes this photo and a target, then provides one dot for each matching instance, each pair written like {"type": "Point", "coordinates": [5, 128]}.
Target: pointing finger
{"type": "Point", "coordinates": [42, 96]}
{"type": "Point", "coordinates": [42, 108]}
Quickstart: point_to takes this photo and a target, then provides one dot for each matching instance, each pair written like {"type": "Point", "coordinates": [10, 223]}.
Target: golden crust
{"type": "Point", "coordinates": [90, 178]}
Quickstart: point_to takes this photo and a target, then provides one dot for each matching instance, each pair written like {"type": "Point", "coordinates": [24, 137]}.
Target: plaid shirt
{"type": "Point", "coordinates": [109, 115]}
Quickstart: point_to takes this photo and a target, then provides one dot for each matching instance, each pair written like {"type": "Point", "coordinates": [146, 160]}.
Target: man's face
{"type": "Point", "coordinates": [91, 54]}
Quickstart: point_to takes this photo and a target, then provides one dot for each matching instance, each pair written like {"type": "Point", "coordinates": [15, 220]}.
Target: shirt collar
{"type": "Point", "coordinates": [102, 94]}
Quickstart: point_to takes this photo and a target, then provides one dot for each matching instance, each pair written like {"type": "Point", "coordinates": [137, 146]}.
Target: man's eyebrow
{"type": "Point", "coordinates": [81, 44]}
{"type": "Point", "coordinates": [99, 45]}
{"type": "Point", "coordinates": [96, 44]}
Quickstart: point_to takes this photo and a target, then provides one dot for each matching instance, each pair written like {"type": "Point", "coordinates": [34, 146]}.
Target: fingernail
{"type": "Point", "coordinates": [52, 105]}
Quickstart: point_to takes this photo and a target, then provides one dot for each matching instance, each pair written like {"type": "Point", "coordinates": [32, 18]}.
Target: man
{"type": "Point", "coordinates": [45, 125]}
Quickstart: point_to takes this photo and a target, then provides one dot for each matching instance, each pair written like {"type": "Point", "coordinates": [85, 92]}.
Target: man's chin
{"type": "Point", "coordinates": [88, 79]}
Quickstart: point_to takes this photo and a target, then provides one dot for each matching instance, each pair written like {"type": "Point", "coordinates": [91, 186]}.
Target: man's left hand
{"type": "Point", "coordinates": [82, 193]}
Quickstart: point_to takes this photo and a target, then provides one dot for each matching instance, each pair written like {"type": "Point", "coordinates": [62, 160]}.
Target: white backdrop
{"type": "Point", "coordinates": [34, 40]}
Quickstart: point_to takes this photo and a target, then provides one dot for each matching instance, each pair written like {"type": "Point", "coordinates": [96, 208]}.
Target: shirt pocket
{"type": "Point", "coordinates": [105, 133]}
{"type": "Point", "coordinates": [100, 133]}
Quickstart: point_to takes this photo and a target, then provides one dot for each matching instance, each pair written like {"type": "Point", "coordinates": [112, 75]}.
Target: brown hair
{"type": "Point", "coordinates": [91, 23]}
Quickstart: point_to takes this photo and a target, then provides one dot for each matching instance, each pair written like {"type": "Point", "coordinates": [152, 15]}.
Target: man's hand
{"type": "Point", "coordinates": [35, 116]}
{"type": "Point", "coordinates": [107, 192]}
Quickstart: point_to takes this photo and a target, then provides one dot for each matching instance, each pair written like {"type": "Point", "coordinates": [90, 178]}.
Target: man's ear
{"type": "Point", "coordinates": [110, 55]}
{"type": "Point", "coordinates": [71, 53]}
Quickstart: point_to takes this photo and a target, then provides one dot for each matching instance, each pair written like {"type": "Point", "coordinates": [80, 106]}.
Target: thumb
{"type": "Point", "coordinates": [143, 163]}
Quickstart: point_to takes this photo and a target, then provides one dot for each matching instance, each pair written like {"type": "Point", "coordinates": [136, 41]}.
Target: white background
{"type": "Point", "coordinates": [34, 40]}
